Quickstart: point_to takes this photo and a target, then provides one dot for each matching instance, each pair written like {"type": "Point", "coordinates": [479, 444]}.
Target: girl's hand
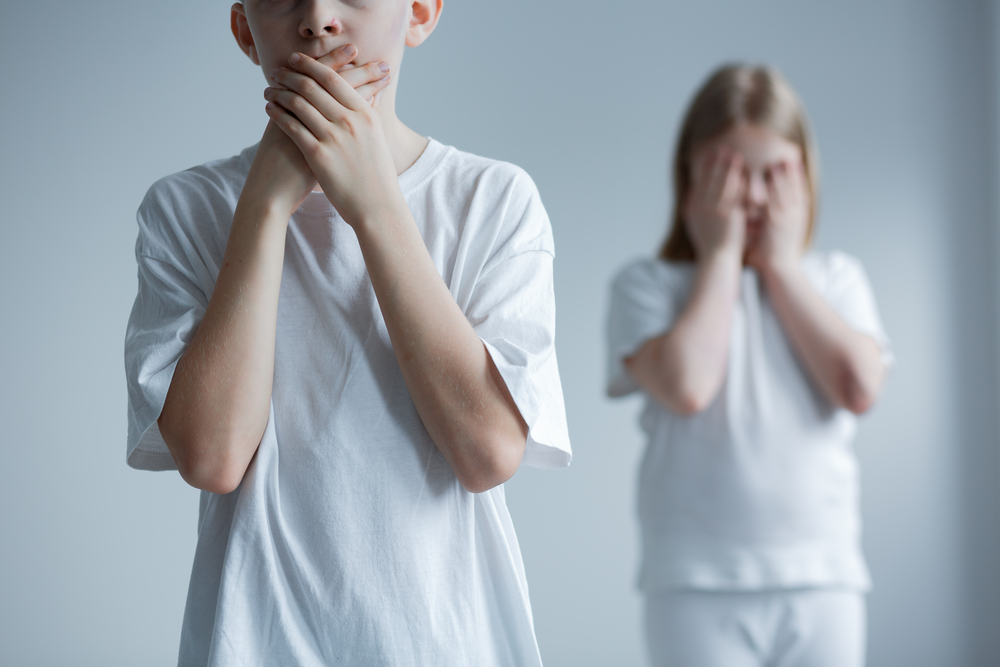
{"type": "Point", "coordinates": [280, 173]}
{"type": "Point", "coordinates": [713, 213]}
{"type": "Point", "coordinates": [781, 240]}
{"type": "Point", "coordinates": [339, 133]}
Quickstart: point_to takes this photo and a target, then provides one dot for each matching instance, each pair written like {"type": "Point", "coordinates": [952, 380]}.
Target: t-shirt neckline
{"type": "Point", "coordinates": [425, 164]}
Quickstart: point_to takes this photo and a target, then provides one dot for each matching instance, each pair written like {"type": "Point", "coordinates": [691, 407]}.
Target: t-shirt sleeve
{"type": "Point", "coordinates": [168, 306]}
{"type": "Point", "coordinates": [850, 295]}
{"type": "Point", "coordinates": [644, 304]}
{"type": "Point", "coordinates": [512, 309]}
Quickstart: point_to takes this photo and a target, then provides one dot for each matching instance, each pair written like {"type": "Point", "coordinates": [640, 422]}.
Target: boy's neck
{"type": "Point", "coordinates": [404, 144]}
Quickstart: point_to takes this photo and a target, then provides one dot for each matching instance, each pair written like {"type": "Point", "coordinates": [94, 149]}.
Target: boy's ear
{"type": "Point", "coordinates": [241, 31]}
{"type": "Point", "coordinates": [424, 15]}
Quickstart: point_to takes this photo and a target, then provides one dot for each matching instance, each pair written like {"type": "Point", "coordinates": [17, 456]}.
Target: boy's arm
{"type": "Point", "coordinates": [217, 406]}
{"type": "Point", "coordinates": [457, 390]}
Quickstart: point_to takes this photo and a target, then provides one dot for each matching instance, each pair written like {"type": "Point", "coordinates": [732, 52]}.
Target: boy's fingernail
{"type": "Point", "coordinates": [383, 67]}
{"type": "Point", "coordinates": [267, 91]}
{"type": "Point", "coordinates": [350, 50]}
{"type": "Point", "coordinates": [294, 58]}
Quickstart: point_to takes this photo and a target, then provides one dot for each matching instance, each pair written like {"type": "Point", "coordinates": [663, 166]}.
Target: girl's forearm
{"type": "Point", "coordinates": [846, 365]}
{"type": "Point", "coordinates": [685, 367]}
{"type": "Point", "coordinates": [458, 391]}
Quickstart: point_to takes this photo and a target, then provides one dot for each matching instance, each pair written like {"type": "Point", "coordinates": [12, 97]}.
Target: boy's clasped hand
{"type": "Point", "coordinates": [329, 110]}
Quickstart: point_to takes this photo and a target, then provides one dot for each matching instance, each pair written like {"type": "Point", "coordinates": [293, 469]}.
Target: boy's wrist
{"type": "Point", "coordinates": [392, 209]}
{"type": "Point", "coordinates": [265, 212]}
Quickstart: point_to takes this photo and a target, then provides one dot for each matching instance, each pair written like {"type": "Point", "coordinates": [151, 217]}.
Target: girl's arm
{"type": "Point", "coordinates": [685, 367]}
{"type": "Point", "coordinates": [845, 364]}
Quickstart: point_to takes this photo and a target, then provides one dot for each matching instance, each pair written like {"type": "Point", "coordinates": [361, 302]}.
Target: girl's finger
{"type": "Point", "coordinates": [732, 188]}
{"type": "Point", "coordinates": [308, 116]}
{"type": "Point", "coordinates": [720, 168]}
{"type": "Point", "coordinates": [331, 82]}
{"type": "Point", "coordinates": [778, 190]}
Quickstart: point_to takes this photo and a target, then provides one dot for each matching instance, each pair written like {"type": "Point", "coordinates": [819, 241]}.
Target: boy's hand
{"type": "Point", "coordinates": [280, 174]}
{"type": "Point", "coordinates": [714, 213]}
{"type": "Point", "coordinates": [781, 241]}
{"type": "Point", "coordinates": [339, 133]}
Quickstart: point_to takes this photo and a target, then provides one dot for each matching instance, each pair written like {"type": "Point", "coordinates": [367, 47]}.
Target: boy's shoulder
{"type": "Point", "coordinates": [464, 171]}
{"type": "Point", "coordinates": [217, 179]}
{"type": "Point", "coordinates": [193, 207]}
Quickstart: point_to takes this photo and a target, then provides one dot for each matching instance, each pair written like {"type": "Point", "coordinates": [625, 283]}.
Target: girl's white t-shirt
{"type": "Point", "coordinates": [759, 490]}
{"type": "Point", "coordinates": [349, 540]}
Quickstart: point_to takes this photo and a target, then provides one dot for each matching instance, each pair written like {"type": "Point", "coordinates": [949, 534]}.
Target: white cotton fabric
{"type": "Point", "coordinates": [349, 540]}
{"type": "Point", "coordinates": [812, 627]}
{"type": "Point", "coordinates": [760, 489]}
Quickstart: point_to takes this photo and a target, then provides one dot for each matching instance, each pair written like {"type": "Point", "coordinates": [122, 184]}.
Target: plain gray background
{"type": "Point", "coordinates": [101, 98]}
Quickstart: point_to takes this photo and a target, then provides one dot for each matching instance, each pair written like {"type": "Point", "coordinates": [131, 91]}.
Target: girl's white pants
{"type": "Point", "coordinates": [782, 628]}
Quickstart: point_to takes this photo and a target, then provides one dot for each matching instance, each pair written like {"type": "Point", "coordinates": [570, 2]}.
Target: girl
{"type": "Point", "coordinates": [754, 356]}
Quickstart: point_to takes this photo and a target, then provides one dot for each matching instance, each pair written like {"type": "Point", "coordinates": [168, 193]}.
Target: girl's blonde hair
{"type": "Point", "coordinates": [736, 94]}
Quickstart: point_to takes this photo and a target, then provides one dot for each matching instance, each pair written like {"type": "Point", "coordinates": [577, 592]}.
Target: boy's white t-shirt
{"type": "Point", "coordinates": [759, 490]}
{"type": "Point", "coordinates": [349, 540]}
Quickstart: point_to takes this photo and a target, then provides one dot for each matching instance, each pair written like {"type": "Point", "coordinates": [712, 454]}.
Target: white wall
{"type": "Point", "coordinates": [100, 99]}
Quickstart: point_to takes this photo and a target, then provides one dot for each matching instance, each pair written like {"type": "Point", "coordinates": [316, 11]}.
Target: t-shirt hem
{"type": "Point", "coordinates": [850, 575]}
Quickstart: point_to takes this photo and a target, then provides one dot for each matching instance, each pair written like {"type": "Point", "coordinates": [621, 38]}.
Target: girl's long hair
{"type": "Point", "coordinates": [735, 94]}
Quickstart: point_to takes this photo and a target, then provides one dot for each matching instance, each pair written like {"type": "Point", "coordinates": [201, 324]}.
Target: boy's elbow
{"type": "Point", "coordinates": [215, 473]}
{"type": "Point", "coordinates": [213, 479]}
{"type": "Point", "coordinates": [496, 462]}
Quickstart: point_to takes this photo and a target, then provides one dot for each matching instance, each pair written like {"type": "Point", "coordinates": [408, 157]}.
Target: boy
{"type": "Point", "coordinates": [344, 337]}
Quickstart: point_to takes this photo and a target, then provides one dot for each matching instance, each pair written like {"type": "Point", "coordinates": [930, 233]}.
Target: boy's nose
{"type": "Point", "coordinates": [319, 20]}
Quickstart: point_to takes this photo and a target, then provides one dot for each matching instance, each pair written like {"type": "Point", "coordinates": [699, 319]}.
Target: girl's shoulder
{"type": "Point", "coordinates": [654, 274]}
{"type": "Point", "coordinates": [825, 266]}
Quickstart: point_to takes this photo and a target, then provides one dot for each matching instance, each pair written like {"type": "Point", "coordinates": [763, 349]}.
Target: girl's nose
{"type": "Point", "coordinates": [319, 20]}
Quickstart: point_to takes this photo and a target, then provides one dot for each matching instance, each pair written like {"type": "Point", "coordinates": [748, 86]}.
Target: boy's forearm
{"type": "Point", "coordinates": [685, 367]}
{"type": "Point", "coordinates": [458, 391]}
{"type": "Point", "coordinates": [217, 406]}
{"type": "Point", "coordinates": [845, 364]}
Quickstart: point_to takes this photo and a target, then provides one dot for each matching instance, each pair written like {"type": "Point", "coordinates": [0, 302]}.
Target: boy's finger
{"type": "Point", "coordinates": [331, 81]}
{"type": "Point", "coordinates": [291, 126]}
{"type": "Point", "coordinates": [338, 58]}
{"type": "Point", "coordinates": [359, 76]}
{"type": "Point", "coordinates": [309, 89]}
{"type": "Point", "coordinates": [295, 104]}
{"type": "Point", "coordinates": [370, 90]}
